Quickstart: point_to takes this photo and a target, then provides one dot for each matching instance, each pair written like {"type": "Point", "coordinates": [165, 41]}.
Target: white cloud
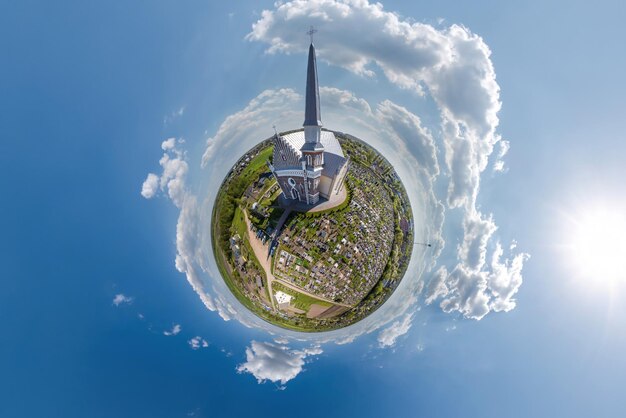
{"type": "Point", "coordinates": [343, 41]}
{"type": "Point", "coordinates": [150, 186]}
{"type": "Point", "coordinates": [468, 293]}
{"type": "Point", "coordinates": [477, 232]}
{"type": "Point", "coordinates": [271, 107]}
{"type": "Point", "coordinates": [505, 279]}
{"type": "Point", "coordinates": [172, 178]}
{"type": "Point", "coordinates": [198, 342]}
{"type": "Point", "coordinates": [168, 144]}
{"type": "Point", "coordinates": [275, 362]}
{"type": "Point", "coordinates": [437, 285]}
{"type": "Point", "coordinates": [474, 293]}
{"type": "Point", "coordinates": [502, 149]}
{"type": "Point", "coordinates": [121, 299]}
{"type": "Point", "coordinates": [189, 258]}
{"type": "Point", "coordinates": [174, 331]}
{"type": "Point", "coordinates": [389, 336]}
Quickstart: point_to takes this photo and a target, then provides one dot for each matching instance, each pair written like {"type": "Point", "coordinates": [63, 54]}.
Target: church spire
{"type": "Point", "coordinates": [312, 116]}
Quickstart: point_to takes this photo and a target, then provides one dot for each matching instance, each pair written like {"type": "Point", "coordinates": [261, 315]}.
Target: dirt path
{"type": "Point", "coordinates": [262, 254]}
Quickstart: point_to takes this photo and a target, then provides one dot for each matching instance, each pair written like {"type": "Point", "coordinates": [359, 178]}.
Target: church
{"type": "Point", "coordinates": [309, 164]}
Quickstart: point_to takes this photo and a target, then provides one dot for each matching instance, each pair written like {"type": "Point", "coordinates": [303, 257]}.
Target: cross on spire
{"type": "Point", "coordinates": [311, 31]}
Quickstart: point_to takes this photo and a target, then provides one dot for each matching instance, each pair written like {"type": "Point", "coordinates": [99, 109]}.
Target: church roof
{"type": "Point", "coordinates": [328, 140]}
{"type": "Point", "coordinates": [312, 115]}
{"type": "Point", "coordinates": [333, 154]}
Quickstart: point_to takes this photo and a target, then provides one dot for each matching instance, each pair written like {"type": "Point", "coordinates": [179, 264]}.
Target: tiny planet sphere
{"type": "Point", "coordinates": [312, 229]}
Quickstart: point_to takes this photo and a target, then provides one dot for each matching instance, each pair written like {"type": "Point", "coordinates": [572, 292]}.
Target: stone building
{"type": "Point", "coordinates": [309, 164]}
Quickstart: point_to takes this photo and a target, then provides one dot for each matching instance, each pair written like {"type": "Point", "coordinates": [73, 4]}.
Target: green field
{"type": "Point", "coordinates": [300, 300]}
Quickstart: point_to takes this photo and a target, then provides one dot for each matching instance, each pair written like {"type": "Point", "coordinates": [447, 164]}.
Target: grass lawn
{"type": "Point", "coordinates": [300, 301]}
{"type": "Point", "coordinates": [257, 165]}
{"type": "Point", "coordinates": [239, 223]}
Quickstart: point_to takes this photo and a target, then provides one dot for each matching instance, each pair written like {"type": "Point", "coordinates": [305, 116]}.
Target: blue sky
{"type": "Point", "coordinates": [88, 94]}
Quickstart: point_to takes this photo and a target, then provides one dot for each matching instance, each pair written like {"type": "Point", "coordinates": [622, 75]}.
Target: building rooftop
{"type": "Point", "coordinates": [333, 154]}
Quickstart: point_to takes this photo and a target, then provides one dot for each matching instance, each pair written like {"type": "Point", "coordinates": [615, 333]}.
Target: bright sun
{"type": "Point", "coordinates": [598, 244]}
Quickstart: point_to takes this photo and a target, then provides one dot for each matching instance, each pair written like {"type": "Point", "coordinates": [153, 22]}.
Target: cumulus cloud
{"type": "Point", "coordinates": [174, 171]}
{"type": "Point", "coordinates": [474, 293]}
{"type": "Point", "coordinates": [476, 234]}
{"type": "Point", "coordinates": [503, 147]}
{"type": "Point", "coordinates": [275, 362]}
{"type": "Point", "coordinates": [505, 279]}
{"type": "Point", "coordinates": [121, 299]}
{"type": "Point", "coordinates": [198, 342]}
{"type": "Point", "coordinates": [189, 257]}
{"type": "Point", "coordinates": [150, 186]}
{"type": "Point", "coordinates": [174, 331]}
{"type": "Point", "coordinates": [343, 42]}
{"type": "Point", "coordinates": [389, 336]}
{"type": "Point", "coordinates": [437, 285]}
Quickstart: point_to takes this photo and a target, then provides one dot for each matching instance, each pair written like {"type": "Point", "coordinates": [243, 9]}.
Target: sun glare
{"type": "Point", "coordinates": [598, 244]}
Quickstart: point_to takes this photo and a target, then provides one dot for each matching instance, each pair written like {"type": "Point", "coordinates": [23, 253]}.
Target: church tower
{"type": "Point", "coordinates": [312, 117]}
{"type": "Point", "coordinates": [309, 164]}
{"type": "Point", "coordinates": [312, 150]}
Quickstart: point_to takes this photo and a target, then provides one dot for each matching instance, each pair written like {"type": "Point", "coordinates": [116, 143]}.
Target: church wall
{"type": "Point", "coordinates": [341, 177]}
{"type": "Point", "coordinates": [325, 185]}
{"type": "Point", "coordinates": [298, 184]}
{"type": "Point", "coordinates": [284, 155]}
